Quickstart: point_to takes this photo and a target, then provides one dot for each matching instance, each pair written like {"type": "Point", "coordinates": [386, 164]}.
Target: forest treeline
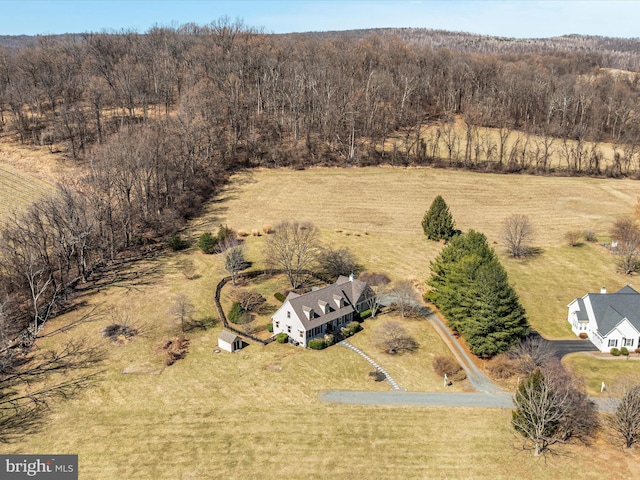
{"type": "Point", "coordinates": [157, 121]}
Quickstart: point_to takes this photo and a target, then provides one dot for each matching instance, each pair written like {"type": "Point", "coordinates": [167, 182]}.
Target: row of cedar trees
{"type": "Point", "coordinates": [471, 287]}
{"type": "Point", "coordinates": [273, 100]}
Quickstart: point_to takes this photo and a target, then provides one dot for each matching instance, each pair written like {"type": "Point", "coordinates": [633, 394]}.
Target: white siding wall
{"type": "Point", "coordinates": [225, 345]}
{"type": "Point", "coordinates": [286, 321]}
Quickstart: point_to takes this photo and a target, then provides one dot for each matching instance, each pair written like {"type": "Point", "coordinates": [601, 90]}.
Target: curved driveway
{"type": "Point", "coordinates": [489, 395]}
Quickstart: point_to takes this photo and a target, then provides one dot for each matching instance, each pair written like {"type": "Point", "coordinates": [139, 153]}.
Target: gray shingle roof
{"type": "Point", "coordinates": [228, 337]}
{"type": "Point", "coordinates": [351, 292]}
{"type": "Point", "coordinates": [582, 313]}
{"type": "Point", "coordinates": [611, 308]}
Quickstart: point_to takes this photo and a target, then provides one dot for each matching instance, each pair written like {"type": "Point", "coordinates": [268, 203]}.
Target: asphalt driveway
{"type": "Point", "coordinates": [564, 347]}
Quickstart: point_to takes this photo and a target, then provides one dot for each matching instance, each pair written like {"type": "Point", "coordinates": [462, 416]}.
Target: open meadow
{"type": "Point", "coordinates": [256, 413]}
{"type": "Point", "coordinates": [22, 183]}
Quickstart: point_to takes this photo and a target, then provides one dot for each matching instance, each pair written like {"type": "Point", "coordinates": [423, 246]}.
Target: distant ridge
{"type": "Point", "coordinates": [622, 53]}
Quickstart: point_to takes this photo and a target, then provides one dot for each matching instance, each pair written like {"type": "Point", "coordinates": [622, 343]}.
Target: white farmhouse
{"type": "Point", "coordinates": [609, 319]}
{"type": "Point", "coordinates": [321, 311]}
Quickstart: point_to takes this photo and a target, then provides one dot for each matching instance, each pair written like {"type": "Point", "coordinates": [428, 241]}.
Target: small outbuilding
{"type": "Point", "coordinates": [230, 341]}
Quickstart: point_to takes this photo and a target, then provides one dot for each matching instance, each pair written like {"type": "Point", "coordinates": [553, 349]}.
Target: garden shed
{"type": "Point", "coordinates": [230, 341]}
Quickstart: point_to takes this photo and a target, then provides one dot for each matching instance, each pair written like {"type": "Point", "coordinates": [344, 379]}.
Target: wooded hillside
{"type": "Point", "coordinates": [158, 120]}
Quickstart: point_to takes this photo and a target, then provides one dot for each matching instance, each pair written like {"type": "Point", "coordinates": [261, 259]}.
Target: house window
{"type": "Point", "coordinates": [613, 342]}
{"type": "Point", "coordinates": [288, 314]}
{"type": "Point", "coordinates": [301, 334]}
{"type": "Point", "coordinates": [288, 328]}
{"type": "Point", "coordinates": [628, 342]}
{"type": "Point", "coordinates": [277, 324]}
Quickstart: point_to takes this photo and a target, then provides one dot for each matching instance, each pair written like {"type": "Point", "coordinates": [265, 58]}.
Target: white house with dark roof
{"type": "Point", "coordinates": [321, 311]}
{"type": "Point", "coordinates": [609, 319]}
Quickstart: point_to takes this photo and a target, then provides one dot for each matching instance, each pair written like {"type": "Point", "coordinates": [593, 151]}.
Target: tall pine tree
{"type": "Point", "coordinates": [437, 222]}
{"type": "Point", "coordinates": [472, 290]}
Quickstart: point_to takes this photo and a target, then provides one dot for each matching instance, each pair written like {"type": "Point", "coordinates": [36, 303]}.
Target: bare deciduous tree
{"type": "Point", "coordinates": [333, 262]}
{"type": "Point", "coordinates": [404, 297]}
{"type": "Point", "coordinates": [293, 247]}
{"type": "Point", "coordinates": [552, 408]}
{"type": "Point", "coordinates": [182, 310]}
{"type": "Point", "coordinates": [626, 419]}
{"type": "Point", "coordinates": [540, 409]}
{"type": "Point", "coordinates": [378, 282]}
{"type": "Point", "coordinates": [517, 233]}
{"type": "Point", "coordinates": [573, 237]}
{"type": "Point", "coordinates": [626, 232]}
{"type": "Point", "coordinates": [248, 300]}
{"type": "Point", "coordinates": [234, 260]}
{"type": "Point", "coordinates": [532, 353]}
{"type": "Point", "coordinates": [393, 338]}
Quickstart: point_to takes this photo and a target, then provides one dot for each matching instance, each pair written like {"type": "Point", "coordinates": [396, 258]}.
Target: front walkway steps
{"type": "Point", "coordinates": [392, 382]}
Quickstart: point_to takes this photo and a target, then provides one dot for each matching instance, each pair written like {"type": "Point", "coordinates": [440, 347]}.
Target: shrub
{"type": "Point", "coordinates": [243, 233]}
{"type": "Point", "coordinates": [458, 376]}
{"type": "Point", "coordinates": [615, 352]}
{"type": "Point", "coordinates": [279, 296]}
{"type": "Point", "coordinates": [282, 337]}
{"type": "Point", "coordinates": [354, 327]}
{"type": "Point", "coordinates": [624, 351]}
{"type": "Point", "coordinates": [502, 366]}
{"type": "Point", "coordinates": [573, 238]}
{"type": "Point", "coordinates": [329, 339]}
{"type": "Point", "coordinates": [267, 229]}
{"type": "Point", "coordinates": [248, 300]}
{"type": "Point", "coordinates": [445, 365]}
{"type": "Point", "coordinates": [351, 328]}
{"type": "Point", "coordinates": [364, 315]}
{"type": "Point", "coordinates": [236, 313]}
{"type": "Point", "coordinates": [590, 236]}
{"type": "Point", "coordinates": [207, 243]}
{"type": "Point", "coordinates": [583, 335]}
{"type": "Point", "coordinates": [270, 327]}
{"type": "Point", "coordinates": [176, 242]}
{"type": "Point", "coordinates": [316, 344]}
{"type": "Point", "coordinates": [225, 234]}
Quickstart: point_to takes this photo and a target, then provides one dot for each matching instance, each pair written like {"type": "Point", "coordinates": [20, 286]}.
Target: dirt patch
{"type": "Point", "coordinates": [142, 369]}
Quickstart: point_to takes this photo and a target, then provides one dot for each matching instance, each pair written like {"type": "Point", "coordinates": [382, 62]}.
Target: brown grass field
{"type": "Point", "coordinates": [490, 137]}
{"type": "Point", "coordinates": [256, 413]}
{"type": "Point", "coordinates": [25, 176]}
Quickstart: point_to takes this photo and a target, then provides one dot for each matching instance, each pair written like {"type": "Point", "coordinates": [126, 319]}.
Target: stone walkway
{"type": "Point", "coordinates": [392, 382]}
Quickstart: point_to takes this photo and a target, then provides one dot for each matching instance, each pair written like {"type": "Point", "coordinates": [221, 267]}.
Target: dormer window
{"type": "Point", "coordinates": [324, 306]}
{"type": "Point", "coordinates": [309, 313]}
{"type": "Point", "coordinates": [339, 300]}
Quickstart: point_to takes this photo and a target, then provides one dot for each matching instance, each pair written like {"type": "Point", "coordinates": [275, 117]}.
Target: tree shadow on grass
{"type": "Point", "coordinates": [30, 382]}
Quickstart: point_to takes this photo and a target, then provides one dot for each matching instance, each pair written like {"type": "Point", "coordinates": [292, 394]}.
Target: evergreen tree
{"type": "Point", "coordinates": [437, 222]}
{"type": "Point", "coordinates": [472, 290]}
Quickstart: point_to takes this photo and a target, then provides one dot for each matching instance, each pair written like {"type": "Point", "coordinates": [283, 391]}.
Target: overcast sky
{"type": "Point", "coordinates": [507, 18]}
